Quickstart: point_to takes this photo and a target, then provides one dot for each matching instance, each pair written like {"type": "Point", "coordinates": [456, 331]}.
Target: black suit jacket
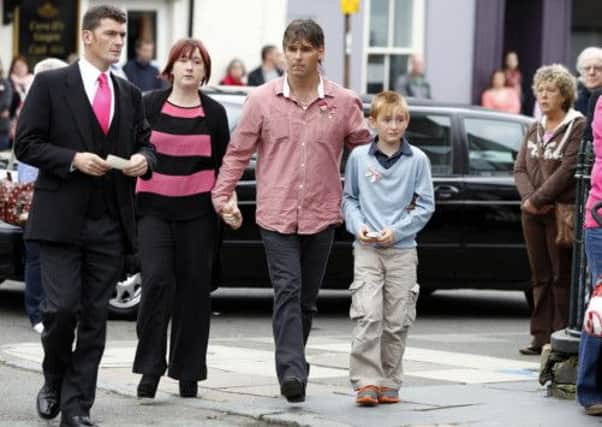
{"type": "Point", "coordinates": [52, 128]}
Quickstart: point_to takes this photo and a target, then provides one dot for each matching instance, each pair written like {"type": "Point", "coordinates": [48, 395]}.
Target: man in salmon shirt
{"type": "Point", "coordinates": [298, 124]}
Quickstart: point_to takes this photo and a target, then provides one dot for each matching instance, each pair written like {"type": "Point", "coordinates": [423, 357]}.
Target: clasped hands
{"type": "Point", "coordinates": [231, 213]}
{"type": "Point", "coordinates": [93, 164]}
{"type": "Point", "coordinates": [385, 238]}
{"type": "Point", "coordinates": [528, 207]}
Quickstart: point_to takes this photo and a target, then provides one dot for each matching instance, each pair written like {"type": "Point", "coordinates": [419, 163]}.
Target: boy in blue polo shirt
{"type": "Point", "coordinates": [388, 198]}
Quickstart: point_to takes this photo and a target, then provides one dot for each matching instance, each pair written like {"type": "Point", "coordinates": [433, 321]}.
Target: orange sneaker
{"type": "Point", "coordinates": [367, 396]}
{"type": "Point", "coordinates": [388, 395]}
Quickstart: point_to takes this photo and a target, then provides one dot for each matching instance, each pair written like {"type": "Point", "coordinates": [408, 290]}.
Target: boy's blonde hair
{"type": "Point", "coordinates": [386, 102]}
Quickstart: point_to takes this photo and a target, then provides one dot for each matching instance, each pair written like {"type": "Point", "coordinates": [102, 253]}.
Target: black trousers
{"type": "Point", "coordinates": [296, 264]}
{"type": "Point", "coordinates": [78, 281]}
{"type": "Point", "coordinates": [176, 259]}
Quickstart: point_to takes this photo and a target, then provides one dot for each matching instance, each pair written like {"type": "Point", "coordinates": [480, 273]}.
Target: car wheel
{"type": "Point", "coordinates": [126, 297]}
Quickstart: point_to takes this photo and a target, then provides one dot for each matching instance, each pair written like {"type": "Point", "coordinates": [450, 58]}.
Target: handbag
{"type": "Point", "coordinates": [592, 323]}
{"type": "Point", "coordinates": [565, 224]}
{"type": "Point", "coordinates": [15, 198]}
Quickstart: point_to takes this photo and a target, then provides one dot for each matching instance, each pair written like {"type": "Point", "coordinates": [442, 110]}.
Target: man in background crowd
{"type": "Point", "coordinates": [140, 71]}
{"type": "Point", "coordinates": [268, 70]}
{"type": "Point", "coordinates": [414, 83]}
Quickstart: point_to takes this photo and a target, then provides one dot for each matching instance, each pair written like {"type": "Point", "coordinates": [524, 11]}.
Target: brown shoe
{"type": "Point", "coordinates": [595, 409]}
{"type": "Point", "coordinates": [388, 395]}
{"type": "Point", "coordinates": [367, 396]}
{"type": "Point", "coordinates": [531, 350]}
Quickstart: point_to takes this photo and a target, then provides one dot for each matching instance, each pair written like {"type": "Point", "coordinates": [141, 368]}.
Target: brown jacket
{"type": "Point", "coordinates": [544, 171]}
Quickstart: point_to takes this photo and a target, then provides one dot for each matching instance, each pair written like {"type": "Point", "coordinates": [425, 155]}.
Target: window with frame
{"type": "Point", "coordinates": [395, 31]}
{"type": "Point", "coordinates": [492, 145]}
{"type": "Point", "coordinates": [431, 133]}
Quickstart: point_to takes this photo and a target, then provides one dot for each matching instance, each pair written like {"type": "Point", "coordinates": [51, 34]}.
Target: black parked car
{"type": "Point", "coordinates": [474, 239]}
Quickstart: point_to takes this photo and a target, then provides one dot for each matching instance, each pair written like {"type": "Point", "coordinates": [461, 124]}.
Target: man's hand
{"type": "Point", "coordinates": [137, 166]}
{"type": "Point", "coordinates": [90, 164]}
{"type": "Point", "coordinates": [387, 238]}
{"type": "Point", "coordinates": [362, 235]}
{"type": "Point", "coordinates": [231, 213]}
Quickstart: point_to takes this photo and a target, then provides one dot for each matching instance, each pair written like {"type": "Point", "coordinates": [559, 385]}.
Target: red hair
{"type": "Point", "coordinates": [186, 48]}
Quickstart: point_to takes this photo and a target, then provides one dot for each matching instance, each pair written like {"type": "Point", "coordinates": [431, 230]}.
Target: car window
{"type": "Point", "coordinates": [233, 112]}
{"type": "Point", "coordinates": [492, 145]}
{"type": "Point", "coordinates": [431, 133]}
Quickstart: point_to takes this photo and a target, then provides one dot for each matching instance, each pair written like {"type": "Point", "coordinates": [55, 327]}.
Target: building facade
{"type": "Point", "coordinates": [229, 28]}
{"type": "Point", "coordinates": [462, 41]}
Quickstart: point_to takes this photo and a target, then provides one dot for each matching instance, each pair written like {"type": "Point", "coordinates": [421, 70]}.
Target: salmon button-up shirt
{"type": "Point", "coordinates": [299, 152]}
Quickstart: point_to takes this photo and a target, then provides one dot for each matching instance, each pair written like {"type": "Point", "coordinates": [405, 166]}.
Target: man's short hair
{"type": "Point", "coordinates": [387, 102]}
{"type": "Point", "coordinates": [303, 29]}
{"type": "Point", "coordinates": [265, 51]}
{"type": "Point", "coordinates": [592, 52]}
{"type": "Point", "coordinates": [95, 14]}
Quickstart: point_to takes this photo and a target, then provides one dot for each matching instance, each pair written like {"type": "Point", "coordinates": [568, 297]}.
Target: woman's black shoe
{"type": "Point", "coordinates": [189, 388]}
{"type": "Point", "coordinates": [530, 350]}
{"type": "Point", "coordinates": [147, 388]}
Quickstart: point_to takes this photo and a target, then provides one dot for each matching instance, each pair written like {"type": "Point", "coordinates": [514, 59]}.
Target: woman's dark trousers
{"type": "Point", "coordinates": [176, 259]}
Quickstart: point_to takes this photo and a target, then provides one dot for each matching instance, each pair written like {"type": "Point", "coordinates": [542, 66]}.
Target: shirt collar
{"type": "Point", "coordinates": [404, 148]}
{"type": "Point", "coordinates": [90, 72]}
{"type": "Point", "coordinates": [286, 89]}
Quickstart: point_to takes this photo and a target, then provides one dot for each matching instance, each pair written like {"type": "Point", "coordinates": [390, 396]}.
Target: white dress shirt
{"type": "Point", "coordinates": [90, 75]}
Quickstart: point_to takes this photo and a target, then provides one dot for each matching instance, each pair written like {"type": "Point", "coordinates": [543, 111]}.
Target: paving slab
{"type": "Point", "coordinates": [471, 390]}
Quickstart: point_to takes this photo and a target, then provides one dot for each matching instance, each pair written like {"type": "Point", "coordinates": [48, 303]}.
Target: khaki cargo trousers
{"type": "Point", "coordinates": [383, 306]}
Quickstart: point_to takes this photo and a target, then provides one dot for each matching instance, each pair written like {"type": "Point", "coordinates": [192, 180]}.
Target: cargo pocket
{"type": "Point", "coordinates": [411, 307]}
{"type": "Point", "coordinates": [356, 311]}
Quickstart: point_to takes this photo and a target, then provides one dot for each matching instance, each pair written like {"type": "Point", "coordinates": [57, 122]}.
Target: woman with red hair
{"type": "Point", "coordinates": [177, 225]}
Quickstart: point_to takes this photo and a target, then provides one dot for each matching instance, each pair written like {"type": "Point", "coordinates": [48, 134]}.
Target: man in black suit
{"type": "Point", "coordinates": [268, 70]}
{"type": "Point", "coordinates": [82, 212]}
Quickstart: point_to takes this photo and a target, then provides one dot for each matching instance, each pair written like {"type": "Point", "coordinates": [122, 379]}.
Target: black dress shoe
{"type": "Point", "coordinates": [48, 401]}
{"type": "Point", "coordinates": [188, 388]}
{"type": "Point", "coordinates": [531, 350]}
{"type": "Point", "coordinates": [77, 421]}
{"type": "Point", "coordinates": [293, 389]}
{"type": "Point", "coordinates": [147, 387]}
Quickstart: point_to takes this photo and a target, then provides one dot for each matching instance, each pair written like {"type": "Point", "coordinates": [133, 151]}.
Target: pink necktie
{"type": "Point", "coordinates": [102, 103]}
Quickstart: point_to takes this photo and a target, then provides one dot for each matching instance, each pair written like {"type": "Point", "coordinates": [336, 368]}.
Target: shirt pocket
{"type": "Point", "coordinates": [277, 128]}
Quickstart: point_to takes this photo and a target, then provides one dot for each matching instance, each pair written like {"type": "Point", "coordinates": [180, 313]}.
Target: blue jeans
{"type": "Point", "coordinates": [589, 371]}
{"type": "Point", "coordinates": [34, 293]}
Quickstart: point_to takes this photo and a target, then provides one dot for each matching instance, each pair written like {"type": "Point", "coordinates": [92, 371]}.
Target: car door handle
{"type": "Point", "coordinates": [446, 191]}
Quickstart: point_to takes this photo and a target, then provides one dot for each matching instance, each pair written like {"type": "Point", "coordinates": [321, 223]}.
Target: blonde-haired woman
{"type": "Point", "coordinates": [543, 174]}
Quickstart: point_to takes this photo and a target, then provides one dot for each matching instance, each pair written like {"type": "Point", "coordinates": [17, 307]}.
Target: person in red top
{"type": "Point", "coordinates": [298, 124]}
{"type": "Point", "coordinates": [235, 74]}
{"type": "Point", "coordinates": [500, 97]}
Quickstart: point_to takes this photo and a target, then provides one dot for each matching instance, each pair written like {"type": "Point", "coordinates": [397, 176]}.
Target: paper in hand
{"type": "Point", "coordinates": [117, 162]}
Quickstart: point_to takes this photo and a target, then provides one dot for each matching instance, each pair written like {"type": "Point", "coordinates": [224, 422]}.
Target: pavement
{"type": "Point", "coordinates": [441, 388]}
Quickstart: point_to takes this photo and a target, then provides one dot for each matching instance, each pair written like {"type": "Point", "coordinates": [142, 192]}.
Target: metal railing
{"type": "Point", "coordinates": [580, 276]}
